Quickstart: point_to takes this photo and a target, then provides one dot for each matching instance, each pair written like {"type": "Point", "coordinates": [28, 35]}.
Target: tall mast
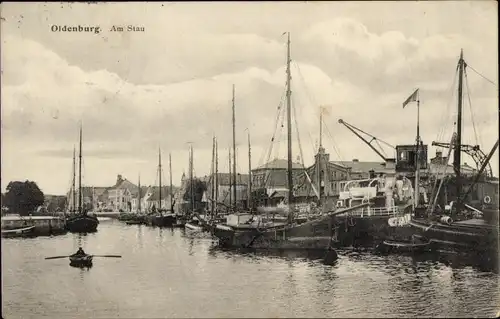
{"type": "Point", "coordinates": [171, 185]}
{"type": "Point", "coordinates": [191, 186]}
{"type": "Point", "coordinates": [74, 179]}
{"type": "Point", "coordinates": [230, 182]}
{"type": "Point", "coordinates": [159, 174]}
{"type": "Point", "coordinates": [80, 174]}
{"type": "Point", "coordinates": [457, 153]}
{"type": "Point", "coordinates": [249, 173]}
{"type": "Point", "coordinates": [234, 152]}
{"type": "Point", "coordinates": [139, 195]}
{"type": "Point", "coordinates": [289, 125]}
{"type": "Point", "coordinates": [216, 175]}
{"type": "Point", "coordinates": [213, 176]}
{"type": "Point", "coordinates": [319, 158]}
{"type": "Point", "coordinates": [320, 127]}
{"type": "Point", "coordinates": [417, 155]}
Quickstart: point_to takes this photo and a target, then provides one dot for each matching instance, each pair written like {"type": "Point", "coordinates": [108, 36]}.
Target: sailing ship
{"type": "Point", "coordinates": [195, 220]}
{"type": "Point", "coordinates": [389, 193]}
{"type": "Point", "coordinates": [464, 223]}
{"type": "Point", "coordinates": [158, 216]}
{"type": "Point", "coordinates": [253, 230]}
{"type": "Point", "coordinates": [138, 218]}
{"type": "Point", "coordinates": [80, 221]}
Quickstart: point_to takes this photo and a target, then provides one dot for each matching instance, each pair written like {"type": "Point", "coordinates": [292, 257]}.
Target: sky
{"type": "Point", "coordinates": [170, 86]}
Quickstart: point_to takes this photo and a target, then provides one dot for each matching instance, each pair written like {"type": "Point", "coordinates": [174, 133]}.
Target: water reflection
{"type": "Point", "coordinates": [171, 273]}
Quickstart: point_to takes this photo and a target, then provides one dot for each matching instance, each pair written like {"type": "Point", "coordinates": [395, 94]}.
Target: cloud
{"type": "Point", "coordinates": [154, 94]}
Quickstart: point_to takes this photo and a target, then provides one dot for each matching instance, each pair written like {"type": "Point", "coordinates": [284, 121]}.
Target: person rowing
{"type": "Point", "coordinates": [80, 252]}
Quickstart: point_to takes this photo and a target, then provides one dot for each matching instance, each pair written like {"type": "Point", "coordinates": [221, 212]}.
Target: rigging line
{"type": "Point", "coordinates": [445, 115]}
{"type": "Point", "coordinates": [380, 147]}
{"type": "Point", "coordinates": [281, 134]}
{"type": "Point", "coordinates": [335, 149]}
{"type": "Point", "coordinates": [278, 114]}
{"type": "Point", "coordinates": [267, 176]}
{"type": "Point", "coordinates": [484, 77]}
{"type": "Point", "coordinates": [303, 176]}
{"type": "Point", "coordinates": [312, 154]}
{"type": "Point", "coordinates": [478, 140]}
{"type": "Point", "coordinates": [312, 101]}
{"type": "Point", "coordinates": [297, 132]}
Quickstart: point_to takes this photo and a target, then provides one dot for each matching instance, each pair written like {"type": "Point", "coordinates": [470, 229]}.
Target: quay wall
{"type": "Point", "coordinates": [44, 225]}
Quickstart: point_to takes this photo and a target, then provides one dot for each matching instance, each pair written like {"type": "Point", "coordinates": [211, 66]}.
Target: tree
{"type": "Point", "coordinates": [23, 197]}
{"type": "Point", "coordinates": [57, 204]}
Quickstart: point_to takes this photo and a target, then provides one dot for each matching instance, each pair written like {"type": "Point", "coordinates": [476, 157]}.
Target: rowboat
{"type": "Point", "coordinates": [18, 231]}
{"type": "Point", "coordinates": [81, 260]}
{"type": "Point", "coordinates": [193, 226]}
{"type": "Point", "coordinates": [404, 246]}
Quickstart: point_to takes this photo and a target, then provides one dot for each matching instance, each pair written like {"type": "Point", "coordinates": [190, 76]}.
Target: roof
{"type": "Point", "coordinates": [226, 179]}
{"type": "Point", "coordinates": [278, 178]}
{"type": "Point", "coordinates": [363, 167]}
{"type": "Point", "coordinates": [135, 191]}
{"type": "Point", "coordinates": [89, 191]}
{"type": "Point", "coordinates": [439, 168]}
{"type": "Point", "coordinates": [124, 184]}
{"type": "Point", "coordinates": [241, 194]}
{"type": "Point", "coordinates": [278, 163]}
{"type": "Point", "coordinates": [155, 191]}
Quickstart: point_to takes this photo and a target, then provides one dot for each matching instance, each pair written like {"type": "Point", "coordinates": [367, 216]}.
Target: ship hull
{"type": "Point", "coordinates": [369, 231]}
{"type": "Point", "coordinates": [162, 221]}
{"type": "Point", "coordinates": [82, 224]}
{"type": "Point", "coordinates": [311, 235]}
{"type": "Point", "coordinates": [470, 236]}
{"type": "Point", "coordinates": [180, 221]}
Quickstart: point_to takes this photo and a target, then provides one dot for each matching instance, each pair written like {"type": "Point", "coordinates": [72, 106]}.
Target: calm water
{"type": "Point", "coordinates": [169, 273]}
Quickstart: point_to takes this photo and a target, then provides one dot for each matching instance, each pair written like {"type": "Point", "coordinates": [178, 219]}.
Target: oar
{"type": "Point", "coordinates": [57, 257]}
{"type": "Point", "coordinates": [111, 256]}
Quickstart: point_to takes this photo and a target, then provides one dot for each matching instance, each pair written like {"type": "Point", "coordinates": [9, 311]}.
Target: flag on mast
{"type": "Point", "coordinates": [411, 98]}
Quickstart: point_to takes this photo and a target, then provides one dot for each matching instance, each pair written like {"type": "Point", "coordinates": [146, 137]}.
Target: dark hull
{"type": "Point", "coordinates": [311, 235]}
{"type": "Point", "coordinates": [80, 261]}
{"type": "Point", "coordinates": [180, 221]}
{"type": "Point", "coordinates": [125, 217]}
{"type": "Point", "coordinates": [134, 222]}
{"type": "Point", "coordinates": [458, 236]}
{"type": "Point", "coordinates": [161, 221]}
{"type": "Point", "coordinates": [82, 224]}
{"type": "Point", "coordinates": [366, 231]}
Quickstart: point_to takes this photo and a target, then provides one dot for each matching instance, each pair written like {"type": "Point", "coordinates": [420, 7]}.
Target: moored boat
{"type": "Point", "coordinates": [461, 225]}
{"type": "Point", "coordinates": [161, 217]}
{"type": "Point", "coordinates": [161, 220]}
{"type": "Point", "coordinates": [256, 232]}
{"type": "Point", "coordinates": [193, 225]}
{"type": "Point", "coordinates": [81, 221]}
{"type": "Point", "coordinates": [18, 232]}
{"type": "Point", "coordinates": [369, 225]}
{"type": "Point", "coordinates": [134, 222]}
{"type": "Point", "coordinates": [416, 245]}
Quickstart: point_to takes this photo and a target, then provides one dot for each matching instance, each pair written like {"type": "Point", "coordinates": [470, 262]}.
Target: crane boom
{"type": "Point", "coordinates": [353, 129]}
{"type": "Point", "coordinates": [474, 152]}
